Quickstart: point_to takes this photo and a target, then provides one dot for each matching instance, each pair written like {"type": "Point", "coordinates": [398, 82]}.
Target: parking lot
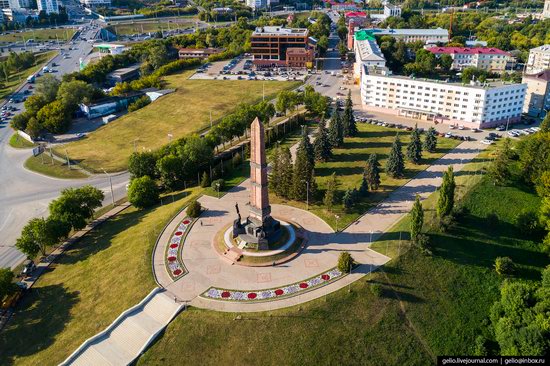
{"type": "Point", "coordinates": [241, 68]}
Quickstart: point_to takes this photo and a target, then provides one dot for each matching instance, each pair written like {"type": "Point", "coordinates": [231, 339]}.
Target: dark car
{"type": "Point", "coordinates": [28, 268]}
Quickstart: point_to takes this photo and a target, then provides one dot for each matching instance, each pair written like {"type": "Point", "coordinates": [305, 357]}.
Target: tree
{"type": "Point", "coordinates": [39, 233]}
{"type": "Point", "coordinates": [417, 219]}
{"type": "Point", "coordinates": [47, 87]}
{"type": "Point", "coordinates": [142, 163]}
{"type": "Point", "coordinates": [348, 200]}
{"type": "Point", "coordinates": [54, 117]}
{"type": "Point", "coordinates": [372, 172]}
{"type": "Point", "coordinates": [414, 148]}
{"type": "Point", "coordinates": [335, 130]}
{"type": "Point", "coordinates": [364, 187]}
{"type": "Point", "coordinates": [20, 121]}
{"type": "Point", "coordinates": [445, 62]}
{"type": "Point", "coordinates": [499, 170]}
{"type": "Point", "coordinates": [345, 262]}
{"type": "Point", "coordinates": [445, 202]}
{"type": "Point", "coordinates": [170, 168]}
{"type": "Point", "coordinates": [286, 100]}
{"type": "Point", "coordinates": [143, 192]}
{"type": "Point", "coordinates": [322, 148]}
{"type": "Point", "coordinates": [303, 171]}
{"type": "Point", "coordinates": [34, 103]}
{"type": "Point", "coordinates": [284, 188]}
{"type": "Point", "coordinates": [75, 205]}
{"type": "Point", "coordinates": [33, 128]}
{"type": "Point", "coordinates": [430, 141]}
{"type": "Point", "coordinates": [74, 92]}
{"type": "Point", "coordinates": [348, 120]}
{"type": "Point", "coordinates": [275, 173]}
{"type": "Point", "coordinates": [6, 282]}
{"type": "Point", "coordinates": [504, 265]}
{"type": "Point", "coordinates": [545, 124]}
{"type": "Point", "coordinates": [330, 194]}
{"type": "Point", "coordinates": [308, 146]}
{"type": "Point", "coordinates": [194, 209]}
{"type": "Point", "coordinates": [395, 165]}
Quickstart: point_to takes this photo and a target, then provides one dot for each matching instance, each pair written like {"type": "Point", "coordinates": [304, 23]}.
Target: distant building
{"type": "Point", "coordinates": [280, 47]}
{"type": "Point", "coordinates": [123, 74]}
{"type": "Point", "coordinates": [489, 59]}
{"type": "Point", "coordinates": [546, 10]}
{"type": "Point", "coordinates": [257, 4]}
{"type": "Point", "coordinates": [110, 105]}
{"type": "Point", "coordinates": [19, 15]}
{"type": "Point", "coordinates": [539, 59]}
{"type": "Point", "coordinates": [367, 53]}
{"type": "Point", "coordinates": [437, 35]}
{"type": "Point", "coordinates": [48, 6]}
{"type": "Point", "coordinates": [95, 3]}
{"type": "Point", "coordinates": [359, 18]}
{"type": "Point", "coordinates": [392, 11]}
{"type": "Point", "coordinates": [476, 43]}
{"type": "Point", "coordinates": [201, 53]}
{"type": "Point", "coordinates": [110, 48]}
{"type": "Point", "coordinates": [537, 96]}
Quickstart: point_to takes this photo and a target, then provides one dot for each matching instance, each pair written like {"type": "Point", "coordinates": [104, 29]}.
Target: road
{"type": "Point", "coordinates": [23, 194]}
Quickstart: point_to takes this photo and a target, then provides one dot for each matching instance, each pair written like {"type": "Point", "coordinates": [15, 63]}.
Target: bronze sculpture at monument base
{"type": "Point", "coordinates": [252, 231]}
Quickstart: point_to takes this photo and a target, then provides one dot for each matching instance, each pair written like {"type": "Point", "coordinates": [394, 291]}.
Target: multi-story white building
{"type": "Point", "coordinates": [490, 59]}
{"type": "Point", "coordinates": [367, 53]}
{"type": "Point", "coordinates": [392, 11]}
{"type": "Point", "coordinates": [49, 6]}
{"type": "Point", "coordinates": [474, 105]}
{"type": "Point", "coordinates": [438, 35]}
{"type": "Point", "coordinates": [546, 10]}
{"type": "Point", "coordinates": [539, 59]}
{"type": "Point", "coordinates": [96, 3]}
{"type": "Point", "coordinates": [537, 97]}
{"type": "Point", "coordinates": [257, 4]}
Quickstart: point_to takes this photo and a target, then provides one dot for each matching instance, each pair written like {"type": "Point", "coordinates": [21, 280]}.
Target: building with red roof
{"type": "Point", "coordinates": [486, 58]}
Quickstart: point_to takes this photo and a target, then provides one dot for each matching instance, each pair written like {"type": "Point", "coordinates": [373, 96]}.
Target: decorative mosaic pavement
{"type": "Point", "coordinates": [276, 293]}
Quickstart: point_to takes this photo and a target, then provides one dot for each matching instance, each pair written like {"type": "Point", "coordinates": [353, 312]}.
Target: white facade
{"type": "Point", "coordinates": [489, 59]}
{"type": "Point", "coordinates": [537, 97]}
{"type": "Point", "coordinates": [546, 10]}
{"type": "Point", "coordinates": [392, 11]}
{"type": "Point", "coordinates": [257, 4]}
{"type": "Point", "coordinates": [441, 102]}
{"type": "Point", "coordinates": [96, 3]}
{"type": "Point", "coordinates": [412, 35]}
{"type": "Point", "coordinates": [539, 59]}
{"type": "Point", "coordinates": [367, 54]}
{"type": "Point", "coordinates": [49, 6]}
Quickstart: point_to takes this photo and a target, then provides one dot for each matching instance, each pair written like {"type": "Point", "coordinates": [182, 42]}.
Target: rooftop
{"type": "Point", "coordinates": [543, 75]}
{"type": "Point", "coordinates": [369, 50]}
{"type": "Point", "coordinates": [412, 32]}
{"type": "Point", "coordinates": [468, 50]}
{"type": "Point", "coordinates": [356, 14]}
{"type": "Point", "coordinates": [201, 50]}
{"type": "Point", "coordinates": [124, 70]}
{"type": "Point", "coordinates": [543, 48]}
{"type": "Point", "coordinates": [279, 31]}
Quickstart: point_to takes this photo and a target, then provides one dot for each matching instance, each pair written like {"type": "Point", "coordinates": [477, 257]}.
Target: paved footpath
{"type": "Point", "coordinates": [207, 268]}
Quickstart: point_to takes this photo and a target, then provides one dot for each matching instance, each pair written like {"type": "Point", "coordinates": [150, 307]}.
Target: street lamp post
{"type": "Point", "coordinates": [337, 218]}
{"type": "Point", "coordinates": [218, 188]}
{"type": "Point", "coordinates": [110, 184]}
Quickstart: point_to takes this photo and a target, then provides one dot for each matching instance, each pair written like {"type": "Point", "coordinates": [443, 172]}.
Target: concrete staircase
{"type": "Point", "coordinates": [130, 334]}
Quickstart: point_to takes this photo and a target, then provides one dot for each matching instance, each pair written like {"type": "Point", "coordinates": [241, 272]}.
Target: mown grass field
{"type": "Point", "coordinates": [152, 26]}
{"type": "Point", "coordinates": [45, 165]}
{"type": "Point", "coordinates": [181, 113]}
{"type": "Point", "coordinates": [429, 305]}
{"type": "Point", "coordinates": [88, 287]}
{"type": "Point", "coordinates": [15, 79]}
{"type": "Point", "coordinates": [19, 142]}
{"type": "Point", "coordinates": [348, 163]}
{"type": "Point", "coordinates": [43, 34]}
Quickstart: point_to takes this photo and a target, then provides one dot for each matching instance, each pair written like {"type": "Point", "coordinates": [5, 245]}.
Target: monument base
{"type": "Point", "coordinates": [258, 234]}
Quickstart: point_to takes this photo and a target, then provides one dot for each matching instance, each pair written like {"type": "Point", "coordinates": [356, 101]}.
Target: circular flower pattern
{"type": "Point", "coordinates": [304, 285]}
{"type": "Point", "coordinates": [186, 222]}
{"type": "Point", "coordinates": [325, 277]}
{"type": "Point", "coordinates": [252, 295]}
{"type": "Point", "coordinates": [226, 294]}
{"type": "Point", "coordinates": [177, 272]}
{"type": "Point", "coordinates": [279, 292]}
{"type": "Point", "coordinates": [178, 233]}
{"type": "Point", "coordinates": [173, 246]}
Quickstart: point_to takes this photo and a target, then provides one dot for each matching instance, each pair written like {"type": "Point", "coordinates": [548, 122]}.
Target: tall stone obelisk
{"type": "Point", "coordinates": [259, 198]}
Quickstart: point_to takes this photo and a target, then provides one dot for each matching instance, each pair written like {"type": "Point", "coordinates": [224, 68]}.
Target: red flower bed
{"type": "Point", "coordinates": [279, 292]}
{"type": "Point", "coordinates": [325, 277]}
{"type": "Point", "coordinates": [186, 222]}
{"type": "Point", "coordinates": [177, 272]}
{"type": "Point", "coordinates": [171, 259]}
{"type": "Point", "coordinates": [303, 285]}
{"type": "Point", "coordinates": [173, 246]}
{"type": "Point", "coordinates": [225, 294]}
{"type": "Point", "coordinates": [178, 233]}
{"type": "Point", "coordinates": [252, 295]}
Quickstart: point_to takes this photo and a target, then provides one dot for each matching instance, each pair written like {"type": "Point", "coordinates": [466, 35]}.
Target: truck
{"type": "Point", "coordinates": [31, 79]}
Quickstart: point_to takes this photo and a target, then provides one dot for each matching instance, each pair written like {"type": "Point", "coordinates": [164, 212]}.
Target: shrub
{"type": "Point", "coordinates": [375, 289]}
{"type": "Point", "coordinates": [139, 103]}
{"type": "Point", "coordinates": [504, 266]}
{"type": "Point", "coordinates": [423, 243]}
{"type": "Point", "coordinates": [205, 180]}
{"type": "Point", "coordinates": [446, 223]}
{"type": "Point", "coordinates": [528, 222]}
{"type": "Point", "coordinates": [345, 262]}
{"type": "Point", "coordinates": [194, 209]}
{"type": "Point", "coordinates": [218, 184]}
{"type": "Point", "coordinates": [480, 348]}
{"type": "Point", "coordinates": [143, 192]}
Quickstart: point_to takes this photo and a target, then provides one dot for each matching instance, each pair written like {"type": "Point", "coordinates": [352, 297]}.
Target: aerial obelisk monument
{"type": "Point", "coordinates": [260, 228]}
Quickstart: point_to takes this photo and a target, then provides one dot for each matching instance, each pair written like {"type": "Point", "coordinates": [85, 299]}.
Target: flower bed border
{"type": "Point", "coordinates": [274, 293]}
{"type": "Point", "coordinates": [176, 252]}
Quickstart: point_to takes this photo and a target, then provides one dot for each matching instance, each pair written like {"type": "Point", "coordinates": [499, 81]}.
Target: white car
{"type": "Point", "coordinates": [501, 128]}
{"type": "Point", "coordinates": [487, 142]}
{"type": "Point", "coordinates": [452, 127]}
{"type": "Point", "coordinates": [536, 129]}
{"type": "Point", "coordinates": [461, 127]}
{"type": "Point", "coordinates": [448, 135]}
{"type": "Point", "coordinates": [513, 133]}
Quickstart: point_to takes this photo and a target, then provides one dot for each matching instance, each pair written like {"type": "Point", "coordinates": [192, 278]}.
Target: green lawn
{"type": "Point", "coordinates": [349, 162]}
{"type": "Point", "coordinates": [181, 113]}
{"type": "Point", "coordinates": [90, 285]}
{"type": "Point", "coordinates": [45, 165]}
{"type": "Point", "coordinates": [15, 79]}
{"type": "Point", "coordinates": [152, 26]}
{"type": "Point", "coordinates": [43, 34]}
{"type": "Point", "coordinates": [429, 306]}
{"type": "Point", "coordinates": [19, 142]}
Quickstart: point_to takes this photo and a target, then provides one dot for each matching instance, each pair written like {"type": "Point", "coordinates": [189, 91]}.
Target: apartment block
{"type": "Point", "coordinates": [537, 97]}
{"type": "Point", "coordinates": [282, 47]}
{"type": "Point", "coordinates": [489, 59]}
{"type": "Point", "coordinates": [539, 59]}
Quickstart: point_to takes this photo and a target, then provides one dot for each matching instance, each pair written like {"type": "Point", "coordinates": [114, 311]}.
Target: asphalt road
{"type": "Point", "coordinates": [24, 194]}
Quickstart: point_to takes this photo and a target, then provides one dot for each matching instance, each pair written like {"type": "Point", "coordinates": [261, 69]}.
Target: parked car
{"type": "Point", "coordinates": [28, 268]}
{"type": "Point", "coordinates": [500, 128]}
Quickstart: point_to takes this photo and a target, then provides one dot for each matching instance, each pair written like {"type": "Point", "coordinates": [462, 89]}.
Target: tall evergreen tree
{"type": "Point", "coordinates": [335, 133]}
{"type": "Point", "coordinates": [372, 172]}
{"type": "Point", "coordinates": [395, 166]}
{"type": "Point", "coordinates": [446, 200]}
{"type": "Point", "coordinates": [348, 200]}
{"type": "Point", "coordinates": [287, 173]}
{"type": "Point", "coordinates": [303, 172]}
{"type": "Point", "coordinates": [330, 194]}
{"type": "Point", "coordinates": [414, 148]}
{"type": "Point", "coordinates": [364, 188]}
{"type": "Point", "coordinates": [430, 141]}
{"type": "Point", "coordinates": [307, 146]}
{"type": "Point", "coordinates": [349, 126]}
{"type": "Point", "coordinates": [417, 219]}
{"type": "Point", "coordinates": [499, 170]}
{"type": "Point", "coordinates": [275, 173]}
{"type": "Point", "coordinates": [545, 124]}
{"type": "Point", "coordinates": [321, 146]}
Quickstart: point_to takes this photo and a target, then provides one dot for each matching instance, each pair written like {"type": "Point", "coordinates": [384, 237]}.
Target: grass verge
{"type": "Point", "coordinates": [45, 165]}
{"type": "Point", "coordinates": [43, 34]}
{"type": "Point", "coordinates": [181, 113]}
{"type": "Point", "coordinates": [19, 142]}
{"type": "Point", "coordinates": [88, 287]}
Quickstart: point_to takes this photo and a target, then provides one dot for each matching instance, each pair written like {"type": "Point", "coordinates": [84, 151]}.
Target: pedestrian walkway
{"type": "Point", "coordinates": [130, 334]}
